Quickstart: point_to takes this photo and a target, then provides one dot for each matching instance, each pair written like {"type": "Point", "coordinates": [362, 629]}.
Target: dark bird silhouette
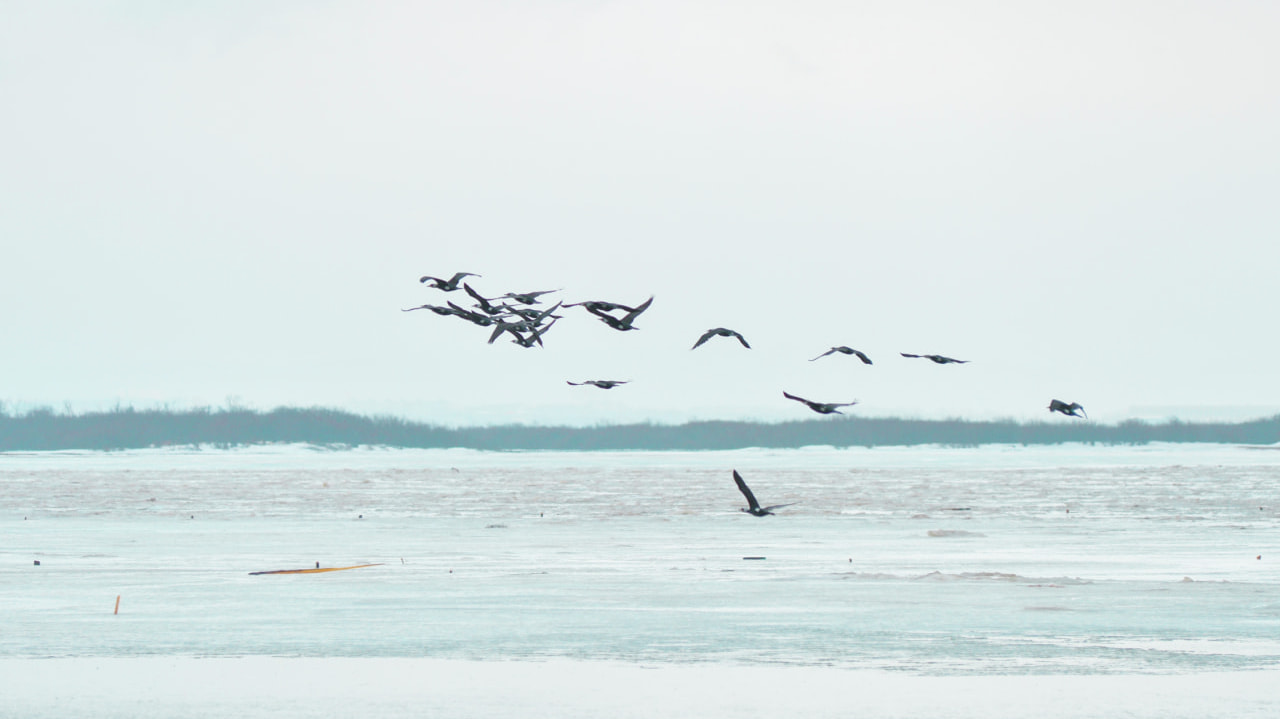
{"type": "Point", "coordinates": [820, 407]}
{"type": "Point", "coordinates": [1056, 405]}
{"type": "Point", "coordinates": [527, 298]}
{"type": "Point", "coordinates": [755, 509]}
{"type": "Point", "coordinates": [448, 285]}
{"type": "Point", "coordinates": [530, 313]}
{"type": "Point", "coordinates": [844, 350]}
{"type": "Point", "coordinates": [512, 327]}
{"type": "Point", "coordinates": [525, 325]}
{"type": "Point", "coordinates": [719, 332]}
{"type": "Point", "coordinates": [475, 317]}
{"type": "Point", "coordinates": [483, 302]}
{"type": "Point", "coordinates": [534, 336]}
{"type": "Point", "coordinates": [445, 311]}
{"type": "Point", "coordinates": [601, 383]}
{"type": "Point", "coordinates": [596, 306]}
{"type": "Point", "coordinates": [624, 323]}
{"type": "Point", "coordinates": [937, 358]}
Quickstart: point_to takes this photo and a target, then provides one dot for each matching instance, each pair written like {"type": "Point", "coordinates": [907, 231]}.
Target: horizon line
{"type": "Point", "coordinates": [47, 410]}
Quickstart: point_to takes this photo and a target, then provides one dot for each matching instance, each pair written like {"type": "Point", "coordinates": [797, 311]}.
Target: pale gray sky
{"type": "Point", "coordinates": [209, 200]}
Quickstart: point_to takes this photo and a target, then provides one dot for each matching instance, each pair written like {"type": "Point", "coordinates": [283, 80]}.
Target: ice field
{"type": "Point", "coordinates": [1150, 575]}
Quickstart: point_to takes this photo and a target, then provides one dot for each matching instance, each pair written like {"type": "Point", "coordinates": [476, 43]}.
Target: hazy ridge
{"type": "Point", "coordinates": [129, 428]}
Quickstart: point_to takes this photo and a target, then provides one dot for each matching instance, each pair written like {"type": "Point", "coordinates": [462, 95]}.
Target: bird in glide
{"type": "Point", "coordinates": [448, 285]}
{"type": "Point", "coordinates": [1057, 405]}
{"type": "Point", "coordinates": [527, 298]}
{"type": "Point", "coordinates": [624, 323]}
{"type": "Point", "coordinates": [939, 359]}
{"type": "Point", "coordinates": [719, 332]}
{"type": "Point", "coordinates": [821, 407]}
{"type": "Point", "coordinates": [844, 350]}
{"type": "Point", "coordinates": [755, 509]}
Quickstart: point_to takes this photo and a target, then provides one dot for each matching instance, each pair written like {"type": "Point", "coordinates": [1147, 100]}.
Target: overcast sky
{"type": "Point", "coordinates": [203, 203]}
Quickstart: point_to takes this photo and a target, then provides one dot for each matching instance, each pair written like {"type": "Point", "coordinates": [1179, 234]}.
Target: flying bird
{"type": "Point", "coordinates": [820, 407]}
{"type": "Point", "coordinates": [624, 323]}
{"type": "Point", "coordinates": [755, 509]}
{"type": "Point", "coordinates": [937, 358]}
{"type": "Point", "coordinates": [601, 383]}
{"type": "Point", "coordinates": [527, 298]}
{"type": "Point", "coordinates": [535, 335]}
{"type": "Point", "coordinates": [719, 332]}
{"type": "Point", "coordinates": [844, 350]}
{"type": "Point", "coordinates": [1057, 405]}
{"type": "Point", "coordinates": [444, 311]}
{"type": "Point", "coordinates": [526, 325]}
{"type": "Point", "coordinates": [596, 306]}
{"type": "Point", "coordinates": [483, 302]}
{"type": "Point", "coordinates": [448, 285]}
{"type": "Point", "coordinates": [480, 319]}
{"type": "Point", "coordinates": [530, 313]}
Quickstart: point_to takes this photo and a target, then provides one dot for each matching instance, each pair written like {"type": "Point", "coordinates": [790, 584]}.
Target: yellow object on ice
{"type": "Point", "coordinates": [317, 570]}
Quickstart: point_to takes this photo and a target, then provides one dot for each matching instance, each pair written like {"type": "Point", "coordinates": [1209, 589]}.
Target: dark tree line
{"type": "Point", "coordinates": [128, 428]}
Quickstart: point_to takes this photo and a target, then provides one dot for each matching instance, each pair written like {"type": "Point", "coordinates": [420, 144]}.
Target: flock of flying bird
{"type": "Point", "coordinates": [521, 315]}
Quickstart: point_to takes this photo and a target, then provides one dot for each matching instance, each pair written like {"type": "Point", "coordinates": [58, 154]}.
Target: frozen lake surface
{"type": "Point", "coordinates": [930, 563]}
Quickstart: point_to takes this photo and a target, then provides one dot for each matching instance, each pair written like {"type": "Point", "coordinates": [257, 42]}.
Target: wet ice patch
{"type": "Point", "coordinates": [953, 533]}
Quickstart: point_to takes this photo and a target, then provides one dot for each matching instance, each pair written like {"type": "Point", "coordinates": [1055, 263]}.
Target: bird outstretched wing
{"type": "Point", "coordinates": [746, 491]}
{"type": "Point", "coordinates": [701, 340]}
{"type": "Point", "coordinates": [631, 316]}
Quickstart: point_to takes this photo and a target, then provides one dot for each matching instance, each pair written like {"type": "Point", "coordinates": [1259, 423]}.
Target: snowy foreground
{"type": "Point", "coordinates": [999, 581]}
{"type": "Point", "coordinates": [393, 688]}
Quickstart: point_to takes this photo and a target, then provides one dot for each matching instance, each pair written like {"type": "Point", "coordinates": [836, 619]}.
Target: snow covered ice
{"type": "Point", "coordinates": [1153, 568]}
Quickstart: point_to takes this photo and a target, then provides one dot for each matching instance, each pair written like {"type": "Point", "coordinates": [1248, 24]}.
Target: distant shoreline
{"type": "Point", "coordinates": [128, 428]}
